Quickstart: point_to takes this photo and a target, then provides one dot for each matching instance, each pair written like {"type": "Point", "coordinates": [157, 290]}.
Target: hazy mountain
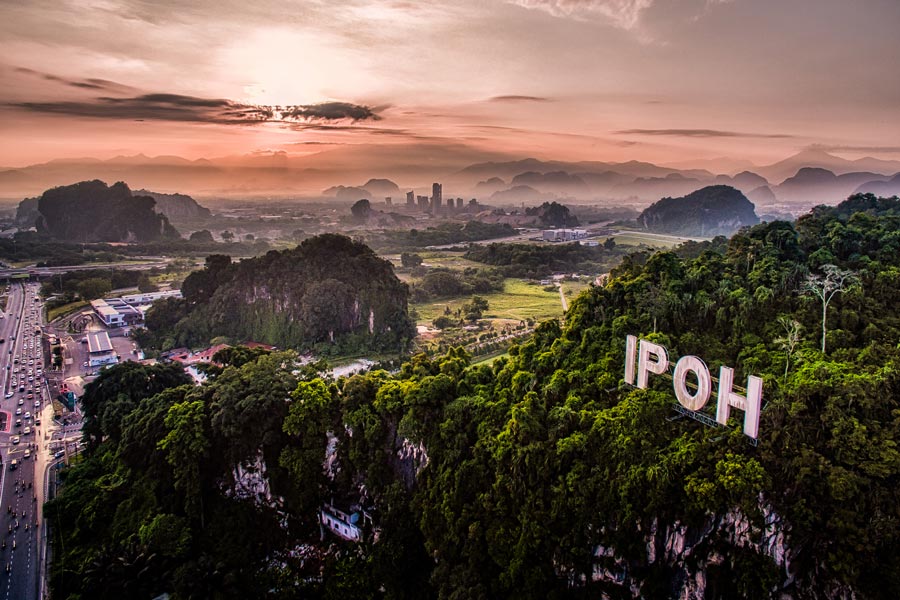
{"type": "Point", "coordinates": [816, 158]}
{"type": "Point", "coordinates": [556, 182]}
{"type": "Point", "coordinates": [343, 192]}
{"type": "Point", "coordinates": [489, 186]}
{"type": "Point", "coordinates": [518, 195]}
{"type": "Point", "coordinates": [650, 188]}
{"type": "Point", "coordinates": [744, 181]}
{"type": "Point", "coordinates": [713, 210]}
{"type": "Point", "coordinates": [381, 188]}
{"type": "Point", "coordinates": [891, 187]}
{"type": "Point", "coordinates": [176, 206]}
{"type": "Point", "coordinates": [761, 196]}
{"type": "Point", "coordinates": [821, 186]}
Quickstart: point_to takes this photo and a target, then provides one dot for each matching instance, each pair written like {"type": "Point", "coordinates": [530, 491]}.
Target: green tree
{"type": "Point", "coordinates": [203, 236]}
{"type": "Point", "coordinates": [93, 288]}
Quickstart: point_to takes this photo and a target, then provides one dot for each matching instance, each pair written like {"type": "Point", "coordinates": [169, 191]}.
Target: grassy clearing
{"type": "Point", "coordinates": [517, 302]}
{"type": "Point", "coordinates": [65, 309]}
{"type": "Point", "coordinates": [488, 359]}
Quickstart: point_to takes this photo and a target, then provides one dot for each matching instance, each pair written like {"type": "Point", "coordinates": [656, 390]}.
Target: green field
{"type": "Point", "coordinates": [65, 309]}
{"type": "Point", "coordinates": [518, 301]}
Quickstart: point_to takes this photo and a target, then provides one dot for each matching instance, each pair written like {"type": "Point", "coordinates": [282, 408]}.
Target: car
{"type": "Point", "coordinates": [37, 404]}
{"type": "Point", "coordinates": [27, 415]}
{"type": "Point", "coordinates": [37, 421]}
{"type": "Point", "coordinates": [15, 439]}
{"type": "Point", "coordinates": [13, 464]}
{"type": "Point", "coordinates": [21, 402]}
{"type": "Point", "coordinates": [18, 411]}
{"type": "Point", "coordinates": [9, 394]}
{"type": "Point", "coordinates": [26, 431]}
{"type": "Point", "coordinates": [27, 453]}
{"type": "Point", "coordinates": [59, 454]}
{"type": "Point", "coordinates": [18, 422]}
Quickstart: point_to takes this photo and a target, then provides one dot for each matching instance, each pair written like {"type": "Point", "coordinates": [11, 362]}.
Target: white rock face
{"type": "Point", "coordinates": [249, 482]}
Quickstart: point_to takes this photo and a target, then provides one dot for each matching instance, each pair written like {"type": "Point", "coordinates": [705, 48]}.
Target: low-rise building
{"type": "Point", "coordinates": [100, 349]}
{"type": "Point", "coordinates": [340, 523]}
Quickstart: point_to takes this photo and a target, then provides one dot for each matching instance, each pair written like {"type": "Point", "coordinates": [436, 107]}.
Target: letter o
{"type": "Point", "coordinates": [699, 399]}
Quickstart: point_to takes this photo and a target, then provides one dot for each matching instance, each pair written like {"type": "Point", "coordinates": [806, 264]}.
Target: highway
{"type": "Point", "coordinates": [21, 494]}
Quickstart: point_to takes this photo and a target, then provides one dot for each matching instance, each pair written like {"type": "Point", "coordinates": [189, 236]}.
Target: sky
{"type": "Point", "coordinates": [665, 81]}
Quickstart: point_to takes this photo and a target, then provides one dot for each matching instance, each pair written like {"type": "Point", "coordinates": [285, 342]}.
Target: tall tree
{"type": "Point", "coordinates": [825, 287]}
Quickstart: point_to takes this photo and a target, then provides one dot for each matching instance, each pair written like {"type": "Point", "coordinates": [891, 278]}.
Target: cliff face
{"type": "Point", "coordinates": [707, 212]}
{"type": "Point", "coordinates": [176, 206]}
{"type": "Point", "coordinates": [326, 288]}
{"type": "Point", "coordinates": [91, 211]}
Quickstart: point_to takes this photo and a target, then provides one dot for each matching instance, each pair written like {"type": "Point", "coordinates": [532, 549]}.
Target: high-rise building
{"type": "Point", "coordinates": [435, 198]}
{"type": "Point", "coordinates": [459, 202]}
{"type": "Point", "coordinates": [388, 201]}
{"type": "Point", "coordinates": [410, 199]}
{"type": "Point", "coordinates": [423, 203]}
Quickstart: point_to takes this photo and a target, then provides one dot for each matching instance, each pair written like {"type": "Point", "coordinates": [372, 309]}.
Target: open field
{"type": "Point", "coordinates": [518, 301]}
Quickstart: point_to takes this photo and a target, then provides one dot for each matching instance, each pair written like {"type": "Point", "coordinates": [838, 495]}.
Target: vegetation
{"type": "Point", "coordinates": [713, 210]}
{"type": "Point", "coordinates": [539, 475]}
{"type": "Point", "coordinates": [91, 211]}
{"type": "Point", "coordinates": [440, 235]}
{"type": "Point", "coordinates": [329, 291]}
{"type": "Point", "coordinates": [538, 261]}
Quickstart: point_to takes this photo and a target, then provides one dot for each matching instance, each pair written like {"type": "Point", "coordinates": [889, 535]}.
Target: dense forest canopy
{"type": "Point", "coordinates": [328, 290]}
{"type": "Point", "coordinates": [541, 475]}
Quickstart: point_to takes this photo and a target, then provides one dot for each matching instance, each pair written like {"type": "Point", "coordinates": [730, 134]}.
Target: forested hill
{"type": "Point", "coordinates": [710, 211]}
{"type": "Point", "coordinates": [329, 290]}
{"type": "Point", "coordinates": [176, 206]}
{"type": "Point", "coordinates": [540, 475]}
{"type": "Point", "coordinates": [91, 211]}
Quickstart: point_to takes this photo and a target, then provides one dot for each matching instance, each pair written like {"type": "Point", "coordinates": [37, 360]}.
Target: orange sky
{"type": "Point", "coordinates": [671, 81]}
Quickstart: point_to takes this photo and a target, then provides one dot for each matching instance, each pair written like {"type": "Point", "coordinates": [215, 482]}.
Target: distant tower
{"type": "Point", "coordinates": [459, 202]}
{"type": "Point", "coordinates": [388, 201]}
{"type": "Point", "coordinates": [423, 203]}
{"type": "Point", "coordinates": [410, 199]}
{"type": "Point", "coordinates": [435, 198]}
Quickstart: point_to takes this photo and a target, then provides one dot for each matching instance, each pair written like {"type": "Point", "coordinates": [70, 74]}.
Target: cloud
{"type": "Point", "coordinates": [177, 107]}
{"type": "Point", "coordinates": [516, 98]}
{"type": "Point", "coordinates": [850, 148]}
{"type": "Point", "coordinates": [625, 14]}
{"type": "Point", "coordinates": [91, 83]}
{"type": "Point", "coordinates": [702, 133]}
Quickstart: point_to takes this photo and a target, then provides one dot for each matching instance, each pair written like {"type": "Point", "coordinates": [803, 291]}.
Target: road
{"type": "Point", "coordinates": [21, 493]}
{"type": "Point", "coordinates": [140, 265]}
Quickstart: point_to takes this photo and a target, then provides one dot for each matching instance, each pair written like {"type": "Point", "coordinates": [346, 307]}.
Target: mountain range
{"type": "Point", "coordinates": [810, 177]}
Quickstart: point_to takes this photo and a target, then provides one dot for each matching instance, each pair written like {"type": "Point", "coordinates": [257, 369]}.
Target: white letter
{"type": "Point", "coordinates": [750, 405]}
{"type": "Point", "coordinates": [630, 349]}
{"type": "Point", "coordinates": [704, 382]}
{"type": "Point", "coordinates": [645, 365]}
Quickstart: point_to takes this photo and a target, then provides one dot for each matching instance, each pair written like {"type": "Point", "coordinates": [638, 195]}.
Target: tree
{"type": "Point", "coordinates": [249, 237]}
{"type": "Point", "coordinates": [93, 288]}
{"type": "Point", "coordinates": [409, 260]}
{"type": "Point", "coordinates": [474, 309]}
{"type": "Point", "coordinates": [825, 287]}
{"type": "Point", "coordinates": [186, 445]}
{"type": "Point", "coordinates": [443, 322]}
{"type": "Point", "coordinates": [227, 236]}
{"type": "Point", "coordinates": [361, 210]}
{"type": "Point", "coordinates": [202, 236]}
{"type": "Point", "coordinates": [144, 284]}
{"type": "Point", "coordinates": [789, 341]}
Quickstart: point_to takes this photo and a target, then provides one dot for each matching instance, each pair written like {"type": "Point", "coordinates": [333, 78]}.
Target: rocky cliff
{"type": "Point", "coordinates": [707, 212]}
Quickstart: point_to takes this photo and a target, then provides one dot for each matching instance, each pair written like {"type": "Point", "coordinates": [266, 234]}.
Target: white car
{"type": "Point", "coordinates": [27, 453]}
{"type": "Point", "coordinates": [9, 394]}
{"type": "Point", "coordinates": [27, 415]}
{"type": "Point", "coordinates": [15, 439]}
{"type": "Point", "coordinates": [26, 431]}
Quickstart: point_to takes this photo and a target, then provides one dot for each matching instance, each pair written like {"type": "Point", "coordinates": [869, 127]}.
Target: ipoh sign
{"type": "Point", "coordinates": [643, 358]}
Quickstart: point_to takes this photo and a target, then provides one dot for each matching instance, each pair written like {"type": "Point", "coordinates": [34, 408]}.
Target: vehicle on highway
{"type": "Point", "coordinates": [27, 415]}
{"type": "Point", "coordinates": [13, 464]}
{"type": "Point", "coordinates": [15, 439]}
{"type": "Point", "coordinates": [18, 411]}
{"type": "Point", "coordinates": [26, 431]}
{"type": "Point", "coordinates": [9, 394]}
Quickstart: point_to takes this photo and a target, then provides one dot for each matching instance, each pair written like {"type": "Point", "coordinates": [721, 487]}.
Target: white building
{"type": "Point", "coordinates": [100, 349]}
{"type": "Point", "coordinates": [340, 523]}
{"type": "Point", "coordinates": [563, 235]}
{"type": "Point", "coordinates": [150, 297]}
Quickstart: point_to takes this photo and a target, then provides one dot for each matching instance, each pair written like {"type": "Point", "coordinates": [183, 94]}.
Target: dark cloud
{"type": "Point", "coordinates": [330, 111]}
{"type": "Point", "coordinates": [177, 107]}
{"type": "Point", "coordinates": [517, 98]}
{"type": "Point", "coordinates": [702, 133]}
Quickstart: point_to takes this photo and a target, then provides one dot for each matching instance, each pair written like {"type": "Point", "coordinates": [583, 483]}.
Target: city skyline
{"type": "Point", "coordinates": [681, 82]}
